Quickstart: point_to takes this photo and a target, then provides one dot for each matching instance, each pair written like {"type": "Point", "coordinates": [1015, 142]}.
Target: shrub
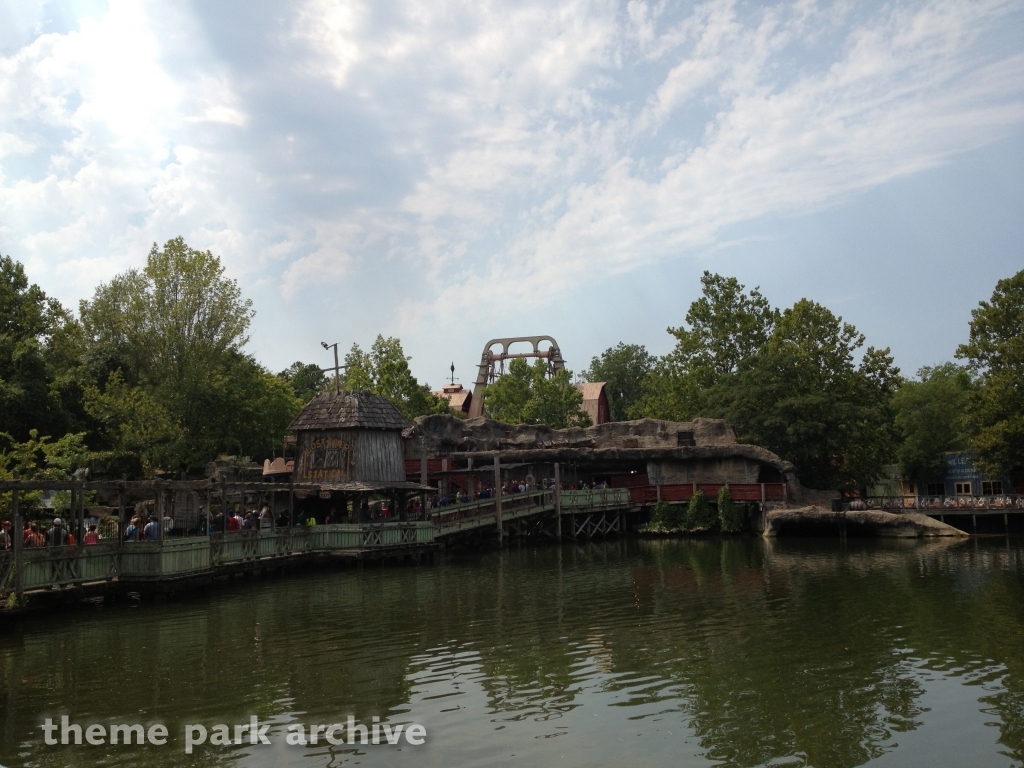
{"type": "Point", "coordinates": [660, 515]}
{"type": "Point", "coordinates": [730, 514]}
{"type": "Point", "coordinates": [699, 515]}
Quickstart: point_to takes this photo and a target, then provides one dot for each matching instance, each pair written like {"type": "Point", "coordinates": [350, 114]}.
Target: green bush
{"type": "Point", "coordinates": [660, 515]}
{"type": "Point", "coordinates": [699, 515]}
{"type": "Point", "coordinates": [730, 514]}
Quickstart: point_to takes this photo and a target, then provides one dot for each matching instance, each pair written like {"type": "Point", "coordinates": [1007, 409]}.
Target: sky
{"type": "Point", "coordinates": [452, 172]}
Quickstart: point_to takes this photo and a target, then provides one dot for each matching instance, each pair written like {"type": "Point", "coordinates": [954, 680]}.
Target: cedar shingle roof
{"type": "Point", "coordinates": [341, 410]}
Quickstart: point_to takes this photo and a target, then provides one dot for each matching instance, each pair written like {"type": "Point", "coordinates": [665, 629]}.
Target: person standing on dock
{"type": "Point", "coordinates": [5, 535]}
{"type": "Point", "coordinates": [57, 536]}
{"type": "Point", "coordinates": [152, 530]}
{"type": "Point", "coordinates": [91, 536]}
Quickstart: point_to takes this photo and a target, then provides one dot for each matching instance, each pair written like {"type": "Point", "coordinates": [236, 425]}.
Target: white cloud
{"type": "Point", "coordinates": [461, 146]}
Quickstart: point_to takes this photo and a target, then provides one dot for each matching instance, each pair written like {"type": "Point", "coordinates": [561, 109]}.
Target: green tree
{"type": "Point", "coordinates": [624, 367]}
{"type": "Point", "coordinates": [307, 380]}
{"type": "Point", "coordinates": [725, 326]}
{"type": "Point", "coordinates": [526, 394]}
{"type": "Point", "coordinates": [29, 319]}
{"type": "Point", "coordinates": [995, 351]}
{"type": "Point", "coordinates": [184, 391]}
{"type": "Point", "coordinates": [930, 418]}
{"type": "Point", "coordinates": [804, 397]}
{"type": "Point", "coordinates": [39, 458]}
{"type": "Point", "coordinates": [384, 370]}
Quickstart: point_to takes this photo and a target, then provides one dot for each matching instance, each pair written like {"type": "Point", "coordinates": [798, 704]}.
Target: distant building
{"type": "Point", "coordinates": [958, 478]}
{"type": "Point", "coordinates": [459, 399]}
{"type": "Point", "coordinates": [595, 401]}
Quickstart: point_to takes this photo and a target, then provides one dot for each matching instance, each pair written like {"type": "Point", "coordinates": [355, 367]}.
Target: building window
{"type": "Point", "coordinates": [993, 488]}
{"type": "Point", "coordinates": [962, 489]}
{"type": "Point", "coordinates": [685, 439]}
{"type": "Point", "coordinates": [936, 489]}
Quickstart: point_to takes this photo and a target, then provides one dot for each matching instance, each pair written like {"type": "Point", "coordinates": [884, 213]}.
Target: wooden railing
{"type": "Point", "coordinates": [949, 505]}
{"type": "Point", "coordinates": [55, 567]}
{"type": "Point", "coordinates": [743, 492]}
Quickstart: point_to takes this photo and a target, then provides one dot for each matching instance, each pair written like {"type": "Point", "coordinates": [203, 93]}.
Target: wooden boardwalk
{"type": "Point", "coordinates": [113, 565]}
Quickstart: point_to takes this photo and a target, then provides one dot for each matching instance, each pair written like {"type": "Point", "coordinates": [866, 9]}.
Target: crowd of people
{"type": "Point", "coordinates": [40, 534]}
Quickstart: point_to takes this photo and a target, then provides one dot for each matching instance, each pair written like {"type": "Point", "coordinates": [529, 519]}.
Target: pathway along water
{"type": "Point", "coordinates": [735, 652]}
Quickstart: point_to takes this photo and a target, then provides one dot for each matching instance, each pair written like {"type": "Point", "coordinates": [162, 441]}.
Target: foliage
{"type": "Point", "coordinates": [803, 397]}
{"type": "Point", "coordinates": [39, 458]}
{"type": "Point", "coordinates": [995, 351]}
{"type": "Point", "coordinates": [28, 320]}
{"type": "Point", "coordinates": [699, 514]}
{"type": "Point", "coordinates": [660, 515]}
{"type": "Point", "coordinates": [624, 367]}
{"type": "Point", "coordinates": [385, 371]}
{"type": "Point", "coordinates": [723, 327]}
{"type": "Point", "coordinates": [307, 380]}
{"type": "Point", "coordinates": [525, 394]}
{"type": "Point", "coordinates": [930, 418]}
{"type": "Point", "coordinates": [166, 378]}
{"type": "Point", "coordinates": [730, 514]}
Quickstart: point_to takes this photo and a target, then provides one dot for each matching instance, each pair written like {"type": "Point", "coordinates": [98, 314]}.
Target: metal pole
{"type": "Point", "coordinates": [497, 495]}
{"type": "Point", "coordinates": [470, 483]}
{"type": "Point", "coordinates": [19, 545]}
{"type": "Point", "coordinates": [291, 505]}
{"type": "Point", "coordinates": [558, 502]}
{"type": "Point", "coordinates": [337, 378]}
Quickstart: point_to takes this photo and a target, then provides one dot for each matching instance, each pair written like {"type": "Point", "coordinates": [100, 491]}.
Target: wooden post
{"type": "Point", "coordinates": [497, 495]}
{"type": "Point", "coordinates": [80, 522]}
{"type": "Point", "coordinates": [159, 511]}
{"type": "Point", "coordinates": [471, 485]}
{"type": "Point", "coordinates": [223, 504]}
{"type": "Point", "coordinates": [19, 544]}
{"type": "Point", "coordinates": [445, 486]}
{"type": "Point", "coordinates": [423, 481]}
{"type": "Point", "coordinates": [209, 516]}
{"type": "Point", "coordinates": [558, 502]}
{"type": "Point", "coordinates": [120, 514]}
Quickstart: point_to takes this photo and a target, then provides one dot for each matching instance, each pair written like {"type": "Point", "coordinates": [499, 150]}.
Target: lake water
{"type": "Point", "coordinates": [617, 653]}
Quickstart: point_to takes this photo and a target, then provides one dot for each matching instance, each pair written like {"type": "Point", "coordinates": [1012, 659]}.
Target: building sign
{"type": "Point", "coordinates": [960, 466]}
{"type": "Point", "coordinates": [326, 458]}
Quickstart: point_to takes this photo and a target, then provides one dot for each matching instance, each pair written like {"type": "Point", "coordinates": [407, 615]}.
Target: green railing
{"type": "Point", "coordinates": [55, 567]}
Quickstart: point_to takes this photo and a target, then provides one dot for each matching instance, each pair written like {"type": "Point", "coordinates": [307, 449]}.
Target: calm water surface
{"type": "Point", "coordinates": [667, 653]}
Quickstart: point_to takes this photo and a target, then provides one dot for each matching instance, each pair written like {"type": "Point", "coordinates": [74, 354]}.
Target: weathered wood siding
{"type": "Point", "coordinates": [339, 455]}
{"type": "Point", "coordinates": [379, 456]}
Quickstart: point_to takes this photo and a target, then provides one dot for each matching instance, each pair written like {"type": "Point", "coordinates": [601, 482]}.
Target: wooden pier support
{"type": "Point", "coordinates": [497, 495]}
{"type": "Point", "coordinates": [558, 502]}
{"type": "Point", "coordinates": [19, 545]}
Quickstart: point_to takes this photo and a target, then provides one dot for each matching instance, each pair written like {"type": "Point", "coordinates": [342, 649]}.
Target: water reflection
{"type": "Point", "coordinates": [733, 651]}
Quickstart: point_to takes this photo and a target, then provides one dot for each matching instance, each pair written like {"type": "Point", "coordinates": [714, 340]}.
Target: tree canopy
{"type": "Point", "coordinates": [995, 351]}
{"type": "Point", "coordinates": [384, 370]}
{"type": "Point", "coordinates": [526, 394]}
{"type": "Point", "coordinates": [930, 418]}
{"type": "Point", "coordinates": [169, 384]}
{"type": "Point", "coordinates": [625, 368]}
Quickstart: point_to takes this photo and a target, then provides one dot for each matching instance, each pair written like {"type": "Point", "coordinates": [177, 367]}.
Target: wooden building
{"type": "Point", "coordinates": [349, 436]}
{"type": "Point", "coordinates": [595, 401]}
{"type": "Point", "coordinates": [459, 399]}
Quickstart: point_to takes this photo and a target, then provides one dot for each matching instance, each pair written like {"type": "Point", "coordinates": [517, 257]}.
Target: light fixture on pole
{"type": "Point", "coordinates": [337, 368]}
